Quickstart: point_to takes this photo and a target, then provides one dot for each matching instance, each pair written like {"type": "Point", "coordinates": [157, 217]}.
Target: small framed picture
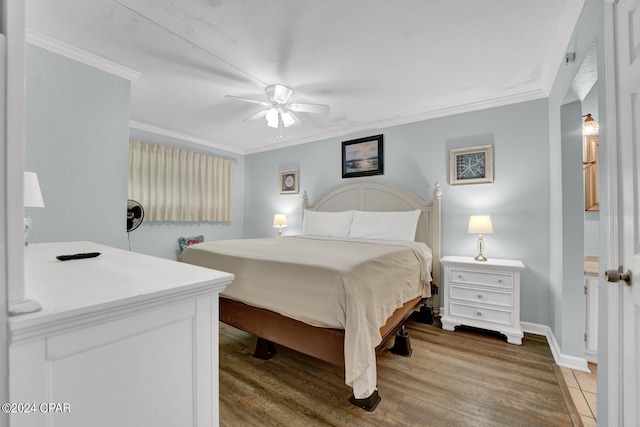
{"type": "Point", "coordinates": [472, 165]}
{"type": "Point", "coordinates": [362, 157]}
{"type": "Point", "coordinates": [288, 181]}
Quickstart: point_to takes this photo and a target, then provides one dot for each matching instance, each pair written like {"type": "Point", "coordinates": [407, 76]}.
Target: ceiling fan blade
{"type": "Point", "coordinates": [296, 119]}
{"type": "Point", "coordinates": [259, 115]}
{"type": "Point", "coordinates": [310, 108]}
{"type": "Point", "coordinates": [254, 101]}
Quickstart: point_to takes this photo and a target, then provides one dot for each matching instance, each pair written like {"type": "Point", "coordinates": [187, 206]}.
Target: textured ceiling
{"type": "Point", "coordinates": [375, 62]}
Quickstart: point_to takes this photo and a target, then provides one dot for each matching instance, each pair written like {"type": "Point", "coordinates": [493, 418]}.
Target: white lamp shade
{"type": "Point", "coordinates": [287, 119]}
{"type": "Point", "coordinates": [273, 118]}
{"type": "Point", "coordinates": [280, 220]}
{"type": "Point", "coordinates": [480, 224]}
{"type": "Point", "coordinates": [32, 194]}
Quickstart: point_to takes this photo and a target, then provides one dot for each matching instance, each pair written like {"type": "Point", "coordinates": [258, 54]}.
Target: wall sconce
{"type": "Point", "coordinates": [590, 126]}
{"type": "Point", "coordinates": [279, 221]}
{"type": "Point", "coordinates": [480, 224]}
{"type": "Point", "coordinates": [32, 198]}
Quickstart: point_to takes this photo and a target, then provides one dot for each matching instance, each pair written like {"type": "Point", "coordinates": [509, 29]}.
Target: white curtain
{"type": "Point", "coordinates": [179, 185]}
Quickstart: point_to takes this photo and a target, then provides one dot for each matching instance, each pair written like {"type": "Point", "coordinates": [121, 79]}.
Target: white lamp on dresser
{"type": "Point", "coordinates": [483, 294]}
{"type": "Point", "coordinates": [32, 198]}
{"type": "Point", "coordinates": [480, 224]}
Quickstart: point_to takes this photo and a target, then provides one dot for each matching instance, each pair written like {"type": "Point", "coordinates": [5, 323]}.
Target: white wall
{"type": "Point", "coordinates": [416, 156]}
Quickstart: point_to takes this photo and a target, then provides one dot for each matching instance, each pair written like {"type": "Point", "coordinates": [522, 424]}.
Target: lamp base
{"type": "Point", "coordinates": [27, 226]}
{"type": "Point", "coordinates": [480, 257]}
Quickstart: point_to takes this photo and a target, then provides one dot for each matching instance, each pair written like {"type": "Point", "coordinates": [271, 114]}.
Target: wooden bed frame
{"type": "Point", "coordinates": [328, 344]}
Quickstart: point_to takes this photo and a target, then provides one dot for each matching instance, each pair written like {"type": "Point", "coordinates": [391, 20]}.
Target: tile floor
{"type": "Point", "coordinates": [582, 386]}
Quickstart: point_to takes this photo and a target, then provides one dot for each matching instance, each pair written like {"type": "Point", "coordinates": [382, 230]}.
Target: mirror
{"type": "Point", "coordinates": [590, 166]}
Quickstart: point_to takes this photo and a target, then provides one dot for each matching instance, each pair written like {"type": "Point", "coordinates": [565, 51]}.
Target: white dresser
{"type": "Point", "coordinates": [123, 339]}
{"type": "Point", "coordinates": [483, 294]}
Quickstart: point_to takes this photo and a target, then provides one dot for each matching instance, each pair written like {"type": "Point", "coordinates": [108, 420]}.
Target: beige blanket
{"type": "Point", "coordinates": [353, 285]}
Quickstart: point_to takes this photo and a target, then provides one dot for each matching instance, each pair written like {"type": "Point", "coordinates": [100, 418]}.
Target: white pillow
{"type": "Point", "coordinates": [327, 224]}
{"type": "Point", "coordinates": [385, 225]}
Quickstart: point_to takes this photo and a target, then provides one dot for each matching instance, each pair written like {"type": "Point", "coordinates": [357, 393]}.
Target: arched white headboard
{"type": "Point", "coordinates": [376, 196]}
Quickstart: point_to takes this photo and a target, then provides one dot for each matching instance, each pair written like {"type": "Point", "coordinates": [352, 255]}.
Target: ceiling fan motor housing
{"type": "Point", "coordinates": [278, 94]}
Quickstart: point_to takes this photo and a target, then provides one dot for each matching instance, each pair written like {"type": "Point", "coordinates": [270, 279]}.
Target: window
{"type": "Point", "coordinates": [179, 185]}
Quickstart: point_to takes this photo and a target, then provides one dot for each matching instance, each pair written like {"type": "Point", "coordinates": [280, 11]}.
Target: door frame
{"type": "Point", "coordinates": [614, 293]}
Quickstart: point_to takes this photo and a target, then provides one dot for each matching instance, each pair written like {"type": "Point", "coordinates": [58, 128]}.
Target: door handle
{"type": "Point", "coordinates": [614, 276]}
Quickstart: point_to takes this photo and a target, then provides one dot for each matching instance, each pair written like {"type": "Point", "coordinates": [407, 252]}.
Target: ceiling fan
{"type": "Point", "coordinates": [279, 113]}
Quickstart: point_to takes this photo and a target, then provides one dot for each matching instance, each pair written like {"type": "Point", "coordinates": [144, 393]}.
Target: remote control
{"type": "Point", "coordinates": [78, 256]}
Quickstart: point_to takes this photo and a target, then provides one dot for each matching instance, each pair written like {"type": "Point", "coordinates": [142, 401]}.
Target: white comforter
{"type": "Point", "coordinates": [353, 285]}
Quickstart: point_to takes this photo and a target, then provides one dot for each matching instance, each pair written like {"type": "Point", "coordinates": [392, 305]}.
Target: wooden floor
{"type": "Point", "coordinates": [462, 378]}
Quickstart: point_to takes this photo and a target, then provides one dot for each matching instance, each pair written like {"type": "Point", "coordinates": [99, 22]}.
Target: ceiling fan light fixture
{"type": "Point", "coordinates": [287, 119]}
{"type": "Point", "coordinates": [272, 118]}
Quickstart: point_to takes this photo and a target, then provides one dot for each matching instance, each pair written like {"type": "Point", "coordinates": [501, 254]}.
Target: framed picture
{"type": "Point", "coordinates": [288, 181]}
{"type": "Point", "coordinates": [362, 157]}
{"type": "Point", "coordinates": [472, 165]}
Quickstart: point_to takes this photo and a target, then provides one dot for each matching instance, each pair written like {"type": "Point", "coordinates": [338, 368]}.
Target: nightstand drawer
{"type": "Point", "coordinates": [489, 278]}
{"type": "Point", "coordinates": [481, 314]}
{"type": "Point", "coordinates": [481, 296]}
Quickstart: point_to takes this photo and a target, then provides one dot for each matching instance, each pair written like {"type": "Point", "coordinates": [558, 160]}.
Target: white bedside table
{"type": "Point", "coordinates": [483, 294]}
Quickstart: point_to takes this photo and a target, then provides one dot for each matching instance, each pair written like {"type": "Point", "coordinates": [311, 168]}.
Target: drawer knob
{"type": "Point", "coordinates": [499, 280]}
{"type": "Point", "coordinates": [459, 276]}
{"type": "Point", "coordinates": [479, 296]}
{"type": "Point", "coordinates": [479, 313]}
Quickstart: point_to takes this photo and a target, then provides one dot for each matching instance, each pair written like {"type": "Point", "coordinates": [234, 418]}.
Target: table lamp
{"type": "Point", "coordinates": [480, 224]}
{"type": "Point", "coordinates": [279, 221]}
{"type": "Point", "coordinates": [32, 198]}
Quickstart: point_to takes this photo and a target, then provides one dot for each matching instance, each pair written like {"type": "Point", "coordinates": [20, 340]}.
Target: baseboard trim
{"type": "Point", "coordinates": [571, 362]}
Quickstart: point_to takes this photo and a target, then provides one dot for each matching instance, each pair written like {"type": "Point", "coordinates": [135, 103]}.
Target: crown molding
{"type": "Point", "coordinates": [80, 55]}
{"type": "Point", "coordinates": [181, 136]}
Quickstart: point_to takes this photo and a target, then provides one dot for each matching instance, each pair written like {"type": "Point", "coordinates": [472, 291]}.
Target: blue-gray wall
{"type": "Point", "coordinates": [570, 331]}
{"type": "Point", "coordinates": [76, 140]}
{"type": "Point", "coordinates": [416, 155]}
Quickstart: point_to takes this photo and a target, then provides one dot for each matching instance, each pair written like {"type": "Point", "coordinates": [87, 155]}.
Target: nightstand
{"type": "Point", "coordinates": [483, 294]}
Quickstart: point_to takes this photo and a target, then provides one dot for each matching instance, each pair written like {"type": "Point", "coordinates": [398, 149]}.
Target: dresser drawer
{"type": "Point", "coordinates": [481, 296]}
{"type": "Point", "coordinates": [481, 313]}
{"type": "Point", "coordinates": [489, 278]}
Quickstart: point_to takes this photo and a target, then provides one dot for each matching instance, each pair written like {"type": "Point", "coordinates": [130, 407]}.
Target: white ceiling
{"type": "Point", "coordinates": [375, 62]}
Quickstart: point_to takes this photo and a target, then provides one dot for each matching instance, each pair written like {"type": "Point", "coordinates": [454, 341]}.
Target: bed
{"type": "Point", "coordinates": [307, 292]}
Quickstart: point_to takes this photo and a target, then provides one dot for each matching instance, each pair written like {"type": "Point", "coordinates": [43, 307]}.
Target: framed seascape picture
{"type": "Point", "coordinates": [472, 165]}
{"type": "Point", "coordinates": [288, 181]}
{"type": "Point", "coordinates": [362, 157]}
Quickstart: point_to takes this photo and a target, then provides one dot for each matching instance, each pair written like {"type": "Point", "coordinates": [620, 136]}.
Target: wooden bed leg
{"type": "Point", "coordinates": [368, 403]}
{"type": "Point", "coordinates": [402, 345]}
{"type": "Point", "coordinates": [265, 349]}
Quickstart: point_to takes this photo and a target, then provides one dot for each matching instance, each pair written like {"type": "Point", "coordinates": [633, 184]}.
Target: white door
{"type": "Point", "coordinates": [627, 115]}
